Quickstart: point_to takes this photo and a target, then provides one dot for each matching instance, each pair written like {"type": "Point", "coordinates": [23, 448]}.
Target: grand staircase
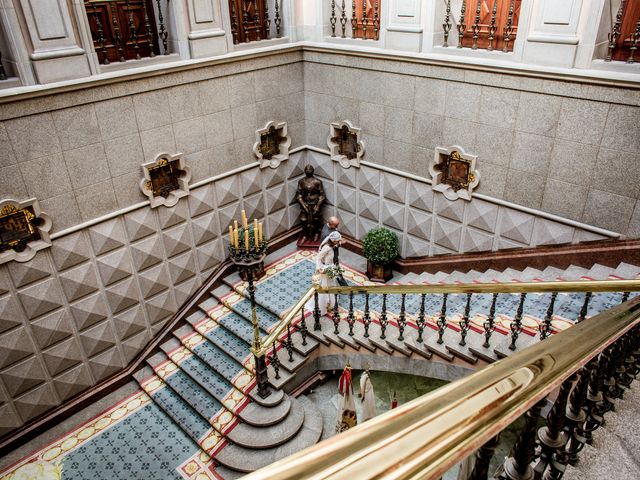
{"type": "Point", "coordinates": [203, 378]}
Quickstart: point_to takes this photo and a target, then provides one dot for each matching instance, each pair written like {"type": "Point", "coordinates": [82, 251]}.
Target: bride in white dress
{"type": "Point", "coordinates": [324, 260]}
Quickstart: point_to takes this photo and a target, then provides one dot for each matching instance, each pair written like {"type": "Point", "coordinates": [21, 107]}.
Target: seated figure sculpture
{"type": "Point", "coordinates": [311, 197]}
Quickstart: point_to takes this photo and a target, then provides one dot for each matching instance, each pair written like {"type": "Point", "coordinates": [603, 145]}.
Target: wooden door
{"type": "Point", "coordinates": [122, 29]}
{"type": "Point", "coordinates": [630, 19]}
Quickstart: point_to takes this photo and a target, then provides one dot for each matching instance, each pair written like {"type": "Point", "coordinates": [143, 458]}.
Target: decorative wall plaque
{"type": "Point", "coordinates": [345, 144]}
{"type": "Point", "coordinates": [165, 180]}
{"type": "Point", "coordinates": [272, 144]}
{"type": "Point", "coordinates": [454, 173]}
{"type": "Point", "coordinates": [24, 229]}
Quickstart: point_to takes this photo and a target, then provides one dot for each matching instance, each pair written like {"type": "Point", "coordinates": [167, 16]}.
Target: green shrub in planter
{"type": "Point", "coordinates": [380, 248]}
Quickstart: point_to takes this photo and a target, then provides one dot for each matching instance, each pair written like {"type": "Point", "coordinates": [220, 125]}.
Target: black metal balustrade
{"type": "Point", "coordinates": [251, 21]}
{"type": "Point", "coordinates": [364, 19]}
{"type": "Point", "coordinates": [624, 37]}
{"type": "Point", "coordinates": [425, 438]}
{"type": "Point", "coordinates": [483, 24]}
{"type": "Point", "coordinates": [127, 29]}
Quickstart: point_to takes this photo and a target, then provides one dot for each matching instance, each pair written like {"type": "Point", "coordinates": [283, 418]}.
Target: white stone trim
{"type": "Point", "coordinates": [175, 195]}
{"type": "Point", "coordinates": [436, 175]}
{"type": "Point", "coordinates": [32, 247]}
{"type": "Point", "coordinates": [283, 148]}
{"type": "Point", "coordinates": [344, 162]}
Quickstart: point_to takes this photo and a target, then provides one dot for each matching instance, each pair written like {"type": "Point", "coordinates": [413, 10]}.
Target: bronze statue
{"type": "Point", "coordinates": [310, 196]}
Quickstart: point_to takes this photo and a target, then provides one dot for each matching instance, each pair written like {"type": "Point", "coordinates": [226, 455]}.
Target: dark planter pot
{"type": "Point", "coordinates": [379, 273]}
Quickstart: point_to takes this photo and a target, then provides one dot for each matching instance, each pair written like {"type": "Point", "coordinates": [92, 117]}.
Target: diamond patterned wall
{"type": "Point", "coordinates": [83, 309]}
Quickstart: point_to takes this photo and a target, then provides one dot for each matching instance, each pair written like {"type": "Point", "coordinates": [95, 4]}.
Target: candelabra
{"type": "Point", "coordinates": [248, 256]}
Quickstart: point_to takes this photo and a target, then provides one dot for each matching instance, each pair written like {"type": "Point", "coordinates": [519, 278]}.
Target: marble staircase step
{"type": "Point", "coordinates": [626, 270]}
{"type": "Point", "coordinates": [284, 377]}
{"type": "Point", "coordinates": [228, 473]}
{"type": "Point", "coordinates": [304, 350]}
{"type": "Point", "coordinates": [259, 415]}
{"type": "Point", "coordinates": [237, 318]}
{"type": "Point", "coordinates": [267, 317]}
{"type": "Point", "coordinates": [247, 460]}
{"type": "Point", "coordinates": [272, 435]}
{"type": "Point", "coordinates": [419, 348]}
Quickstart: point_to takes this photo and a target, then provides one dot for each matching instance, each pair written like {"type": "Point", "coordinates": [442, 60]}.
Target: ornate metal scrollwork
{"type": "Point", "coordinates": [24, 229]}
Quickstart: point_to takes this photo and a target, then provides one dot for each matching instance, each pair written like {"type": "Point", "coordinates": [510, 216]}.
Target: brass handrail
{"type": "Point", "coordinates": [515, 287]}
{"type": "Point", "coordinates": [593, 286]}
{"type": "Point", "coordinates": [429, 435]}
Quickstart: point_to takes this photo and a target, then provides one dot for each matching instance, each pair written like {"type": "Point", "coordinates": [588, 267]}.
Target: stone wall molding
{"type": "Point", "coordinates": [345, 144]}
{"type": "Point", "coordinates": [26, 219]}
{"type": "Point", "coordinates": [272, 144]}
{"type": "Point", "coordinates": [170, 168]}
{"type": "Point", "coordinates": [453, 172]}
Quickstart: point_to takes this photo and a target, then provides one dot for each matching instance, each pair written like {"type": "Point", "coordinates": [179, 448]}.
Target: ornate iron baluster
{"type": "Point", "coordinates": [464, 323]}
{"type": "Point", "coordinates": [516, 325]}
{"type": "Point", "coordinates": [461, 25]}
{"type": "Point", "coordinates": [551, 437]}
{"type": "Point", "coordinates": [446, 26]}
{"type": "Point", "coordinates": [364, 19]}
{"type": "Point", "coordinates": [376, 19]}
{"type": "Point", "coordinates": [508, 28]}
{"type": "Point", "coordinates": [351, 319]}
{"type": "Point", "coordinates": [442, 320]}
{"type": "Point", "coordinates": [256, 22]}
{"type": "Point", "coordinates": [234, 23]}
{"type": "Point", "coordinates": [383, 317]}
{"type": "Point", "coordinates": [332, 18]}
{"type": "Point", "coordinates": [402, 318]}
{"type": "Point", "coordinates": [420, 321]}
{"type": "Point", "coordinates": [475, 28]}
{"type": "Point", "coordinates": [148, 31]}
{"type": "Point", "coordinates": [585, 307]}
{"type": "Point", "coordinates": [343, 20]}
{"type": "Point", "coordinates": [101, 41]}
{"type": "Point", "coordinates": [288, 343]}
{"type": "Point", "coordinates": [354, 20]}
{"type": "Point", "coordinates": [336, 314]}
{"type": "Point", "coordinates": [594, 400]}
{"type": "Point", "coordinates": [303, 327]}
{"type": "Point", "coordinates": [277, 20]}
{"type": "Point", "coordinates": [162, 31]}
{"type": "Point", "coordinates": [635, 38]}
{"type": "Point", "coordinates": [615, 32]}
{"type": "Point", "coordinates": [608, 379]}
{"type": "Point", "coordinates": [518, 465]}
{"type": "Point", "coordinates": [316, 312]}
{"type": "Point", "coordinates": [492, 26]}
{"type": "Point", "coordinates": [483, 459]}
{"type": "Point", "coordinates": [489, 324]}
{"type": "Point", "coordinates": [267, 21]}
{"type": "Point", "coordinates": [366, 319]}
{"type": "Point", "coordinates": [245, 22]}
{"type": "Point", "coordinates": [576, 414]}
{"type": "Point", "coordinates": [133, 34]}
{"type": "Point", "coordinates": [117, 37]}
{"type": "Point", "coordinates": [275, 361]}
{"type": "Point", "coordinates": [545, 326]}
{"type": "Point", "coordinates": [625, 297]}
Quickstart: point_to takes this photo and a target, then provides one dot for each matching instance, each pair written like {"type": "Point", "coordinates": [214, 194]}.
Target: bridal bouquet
{"type": "Point", "coordinates": [334, 271]}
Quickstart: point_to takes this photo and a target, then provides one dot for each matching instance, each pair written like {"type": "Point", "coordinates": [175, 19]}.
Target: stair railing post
{"type": "Point", "coordinates": [464, 323]}
{"type": "Point", "coordinates": [442, 320]}
{"type": "Point", "coordinates": [302, 328]}
{"type": "Point", "coordinates": [383, 317]}
{"type": "Point", "coordinates": [336, 314]}
{"type": "Point", "coordinates": [420, 321]}
{"type": "Point", "coordinates": [516, 325]}
{"type": "Point", "coordinates": [402, 318]}
{"type": "Point", "coordinates": [366, 319]}
{"type": "Point", "coordinates": [351, 319]}
{"type": "Point", "coordinates": [261, 365]}
{"type": "Point", "coordinates": [489, 324]}
{"type": "Point", "coordinates": [275, 361]}
{"type": "Point", "coordinates": [483, 458]}
{"type": "Point", "coordinates": [545, 326]}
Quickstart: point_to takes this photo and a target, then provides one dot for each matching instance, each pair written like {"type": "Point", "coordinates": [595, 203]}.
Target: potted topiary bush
{"type": "Point", "coordinates": [380, 248]}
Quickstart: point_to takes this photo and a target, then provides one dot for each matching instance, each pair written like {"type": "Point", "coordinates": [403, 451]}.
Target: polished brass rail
{"type": "Point", "coordinates": [429, 435]}
{"type": "Point", "coordinates": [528, 287]}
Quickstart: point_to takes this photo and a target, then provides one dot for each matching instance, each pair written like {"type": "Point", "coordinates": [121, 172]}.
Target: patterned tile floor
{"type": "Point", "coordinates": [136, 438]}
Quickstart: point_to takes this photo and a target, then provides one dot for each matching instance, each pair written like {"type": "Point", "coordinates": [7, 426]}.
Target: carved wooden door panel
{"type": "Point", "coordinates": [630, 19]}
{"type": "Point", "coordinates": [249, 20]}
{"type": "Point", "coordinates": [485, 20]}
{"type": "Point", "coordinates": [122, 30]}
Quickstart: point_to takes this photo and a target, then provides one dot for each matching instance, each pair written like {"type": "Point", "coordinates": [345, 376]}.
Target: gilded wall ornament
{"type": "Point", "coordinates": [24, 229]}
{"type": "Point", "coordinates": [165, 180]}
{"type": "Point", "coordinates": [345, 144]}
{"type": "Point", "coordinates": [272, 144]}
{"type": "Point", "coordinates": [453, 172]}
